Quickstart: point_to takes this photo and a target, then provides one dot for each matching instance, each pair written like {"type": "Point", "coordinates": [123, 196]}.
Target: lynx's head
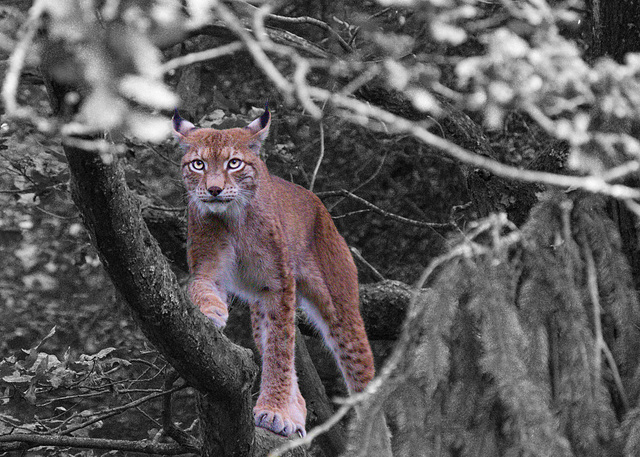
{"type": "Point", "coordinates": [221, 168]}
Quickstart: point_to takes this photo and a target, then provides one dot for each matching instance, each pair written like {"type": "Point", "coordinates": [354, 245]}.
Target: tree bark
{"type": "Point", "coordinates": [615, 28]}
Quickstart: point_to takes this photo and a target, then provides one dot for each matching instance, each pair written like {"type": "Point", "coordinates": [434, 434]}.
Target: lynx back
{"type": "Point", "coordinates": [273, 244]}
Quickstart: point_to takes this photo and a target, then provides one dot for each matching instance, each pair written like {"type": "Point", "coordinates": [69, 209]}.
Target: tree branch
{"type": "Point", "coordinates": [593, 184]}
{"type": "Point", "coordinates": [24, 441]}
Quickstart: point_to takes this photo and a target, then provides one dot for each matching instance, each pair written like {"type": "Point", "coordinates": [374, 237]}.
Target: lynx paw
{"type": "Point", "coordinates": [217, 315]}
{"type": "Point", "coordinates": [278, 421]}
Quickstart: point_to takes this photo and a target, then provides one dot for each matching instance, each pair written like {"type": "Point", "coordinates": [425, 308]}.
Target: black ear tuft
{"type": "Point", "coordinates": [177, 120]}
{"type": "Point", "coordinates": [264, 119]}
{"type": "Point", "coordinates": [180, 126]}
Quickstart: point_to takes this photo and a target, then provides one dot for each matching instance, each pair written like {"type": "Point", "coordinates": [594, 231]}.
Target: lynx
{"type": "Point", "coordinates": [274, 244]}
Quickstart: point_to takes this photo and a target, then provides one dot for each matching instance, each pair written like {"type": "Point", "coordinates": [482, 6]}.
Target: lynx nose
{"type": "Point", "coordinates": [214, 190]}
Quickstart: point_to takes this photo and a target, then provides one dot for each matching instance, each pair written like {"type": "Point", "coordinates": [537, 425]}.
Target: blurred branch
{"type": "Point", "coordinates": [593, 184]}
{"type": "Point", "coordinates": [17, 58]}
{"type": "Point", "coordinates": [265, 64]}
{"type": "Point", "coordinates": [16, 63]}
{"type": "Point", "coordinates": [201, 56]}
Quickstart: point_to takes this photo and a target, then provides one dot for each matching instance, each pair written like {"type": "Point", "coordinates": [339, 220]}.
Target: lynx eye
{"type": "Point", "coordinates": [234, 164]}
{"type": "Point", "coordinates": [197, 165]}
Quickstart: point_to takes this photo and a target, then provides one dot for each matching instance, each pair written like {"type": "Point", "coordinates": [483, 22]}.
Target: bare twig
{"type": "Point", "coordinates": [313, 433]}
{"type": "Point", "coordinates": [359, 186]}
{"type": "Point", "coordinates": [166, 208]}
{"type": "Point", "coordinates": [351, 213]}
{"type": "Point", "coordinates": [395, 217]}
{"type": "Point", "coordinates": [320, 157]}
{"type": "Point", "coordinates": [313, 21]}
{"type": "Point", "coordinates": [358, 256]}
{"type": "Point", "coordinates": [119, 410]}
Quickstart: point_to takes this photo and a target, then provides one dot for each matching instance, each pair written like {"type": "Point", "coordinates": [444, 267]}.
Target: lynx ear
{"type": "Point", "coordinates": [180, 126]}
{"type": "Point", "coordinates": [259, 129]}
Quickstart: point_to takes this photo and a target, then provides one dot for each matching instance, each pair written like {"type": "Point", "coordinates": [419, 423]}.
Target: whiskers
{"type": "Point", "coordinates": [197, 208]}
{"type": "Point", "coordinates": [230, 210]}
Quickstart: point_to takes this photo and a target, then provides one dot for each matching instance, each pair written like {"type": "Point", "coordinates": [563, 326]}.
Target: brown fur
{"type": "Point", "coordinates": [274, 244]}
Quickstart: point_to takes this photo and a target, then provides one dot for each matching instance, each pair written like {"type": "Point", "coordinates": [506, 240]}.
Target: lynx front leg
{"type": "Point", "coordinates": [280, 407]}
{"type": "Point", "coordinates": [210, 300]}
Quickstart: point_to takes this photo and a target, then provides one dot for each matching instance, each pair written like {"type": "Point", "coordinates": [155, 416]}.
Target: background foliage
{"type": "Point", "coordinates": [525, 341]}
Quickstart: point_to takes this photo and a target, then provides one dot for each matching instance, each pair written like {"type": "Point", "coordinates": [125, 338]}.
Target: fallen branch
{"type": "Point", "coordinates": [24, 441]}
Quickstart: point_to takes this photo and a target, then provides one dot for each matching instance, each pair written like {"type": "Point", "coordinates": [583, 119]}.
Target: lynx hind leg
{"type": "Point", "coordinates": [343, 331]}
{"type": "Point", "coordinates": [353, 352]}
{"type": "Point", "coordinates": [211, 301]}
{"type": "Point", "coordinates": [281, 417]}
